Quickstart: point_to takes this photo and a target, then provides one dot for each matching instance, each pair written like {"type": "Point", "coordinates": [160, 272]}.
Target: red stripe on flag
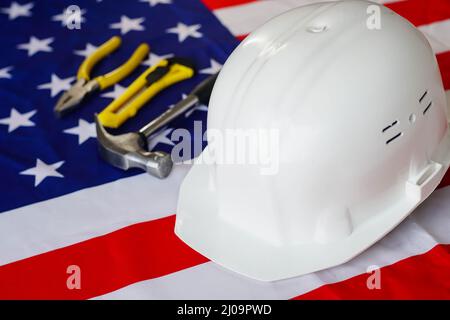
{"type": "Point", "coordinates": [424, 276]}
{"type": "Point", "coordinates": [445, 181]}
{"type": "Point", "coordinates": [149, 250]}
{"type": "Point", "coordinates": [242, 37]}
{"type": "Point", "coordinates": [444, 65]}
{"type": "Point", "coordinates": [421, 12]}
{"type": "Point", "coordinates": [218, 4]}
{"type": "Point", "coordinates": [135, 253]}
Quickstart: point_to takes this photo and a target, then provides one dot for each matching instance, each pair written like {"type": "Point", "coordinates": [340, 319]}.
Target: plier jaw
{"type": "Point", "coordinates": [86, 84]}
{"type": "Point", "coordinates": [71, 98]}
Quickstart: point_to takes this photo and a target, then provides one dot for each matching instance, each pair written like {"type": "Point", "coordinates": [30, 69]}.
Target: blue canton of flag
{"type": "Point", "coordinates": [42, 157]}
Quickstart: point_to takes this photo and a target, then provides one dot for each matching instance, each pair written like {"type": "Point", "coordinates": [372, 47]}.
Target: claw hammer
{"type": "Point", "coordinates": [130, 150]}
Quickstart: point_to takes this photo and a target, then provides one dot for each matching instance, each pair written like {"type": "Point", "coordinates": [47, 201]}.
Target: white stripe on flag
{"type": "Point", "coordinates": [438, 34]}
{"type": "Point", "coordinates": [88, 213]}
{"type": "Point", "coordinates": [424, 229]}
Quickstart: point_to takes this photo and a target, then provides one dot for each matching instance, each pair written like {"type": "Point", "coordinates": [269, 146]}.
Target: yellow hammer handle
{"type": "Point", "coordinates": [137, 94]}
{"type": "Point", "coordinates": [125, 69]}
{"type": "Point", "coordinates": [109, 46]}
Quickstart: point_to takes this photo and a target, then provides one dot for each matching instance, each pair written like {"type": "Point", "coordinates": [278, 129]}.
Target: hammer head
{"type": "Point", "coordinates": [127, 151]}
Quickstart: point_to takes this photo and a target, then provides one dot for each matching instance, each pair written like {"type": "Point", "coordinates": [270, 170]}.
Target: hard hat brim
{"type": "Point", "coordinates": [199, 225]}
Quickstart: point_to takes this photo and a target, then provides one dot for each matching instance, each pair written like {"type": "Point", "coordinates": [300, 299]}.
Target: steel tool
{"type": "Point", "coordinates": [130, 150]}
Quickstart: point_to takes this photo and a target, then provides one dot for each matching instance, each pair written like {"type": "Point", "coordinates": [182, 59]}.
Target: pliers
{"type": "Point", "coordinates": [86, 85]}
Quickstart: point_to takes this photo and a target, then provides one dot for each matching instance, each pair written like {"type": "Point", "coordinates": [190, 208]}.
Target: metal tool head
{"type": "Point", "coordinates": [127, 151]}
{"type": "Point", "coordinates": [72, 97]}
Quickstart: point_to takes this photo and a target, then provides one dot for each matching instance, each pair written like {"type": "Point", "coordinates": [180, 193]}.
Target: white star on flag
{"type": "Point", "coordinates": [160, 137]}
{"type": "Point", "coordinates": [127, 24]}
{"type": "Point", "coordinates": [17, 119]}
{"type": "Point", "coordinates": [64, 17]}
{"type": "Point", "coordinates": [184, 31]}
{"type": "Point", "coordinates": [56, 84]}
{"type": "Point", "coordinates": [154, 59]}
{"type": "Point", "coordinates": [84, 130]}
{"type": "Point", "coordinates": [5, 72]}
{"type": "Point", "coordinates": [115, 93]}
{"type": "Point", "coordinates": [86, 52]}
{"type": "Point", "coordinates": [43, 170]}
{"type": "Point", "coordinates": [16, 10]}
{"type": "Point", "coordinates": [153, 3]}
{"type": "Point", "coordinates": [35, 45]}
{"type": "Point", "coordinates": [215, 67]}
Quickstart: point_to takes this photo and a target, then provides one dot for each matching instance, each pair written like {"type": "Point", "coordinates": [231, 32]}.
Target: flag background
{"type": "Point", "coordinates": [61, 205]}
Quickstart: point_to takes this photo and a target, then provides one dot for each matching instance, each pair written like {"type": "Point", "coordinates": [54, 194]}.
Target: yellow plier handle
{"type": "Point", "coordinates": [144, 88]}
{"type": "Point", "coordinates": [117, 74]}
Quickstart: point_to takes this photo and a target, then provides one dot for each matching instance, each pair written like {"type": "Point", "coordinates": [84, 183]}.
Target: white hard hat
{"type": "Point", "coordinates": [363, 130]}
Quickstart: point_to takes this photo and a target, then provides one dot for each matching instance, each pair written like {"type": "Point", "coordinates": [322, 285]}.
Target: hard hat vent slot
{"type": "Point", "coordinates": [389, 126]}
{"type": "Point", "coordinates": [398, 135]}
{"type": "Point", "coordinates": [422, 99]}
{"type": "Point", "coordinates": [423, 96]}
{"type": "Point", "coordinates": [427, 108]}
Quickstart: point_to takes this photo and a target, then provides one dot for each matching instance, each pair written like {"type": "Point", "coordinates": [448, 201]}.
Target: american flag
{"type": "Point", "coordinates": [65, 212]}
